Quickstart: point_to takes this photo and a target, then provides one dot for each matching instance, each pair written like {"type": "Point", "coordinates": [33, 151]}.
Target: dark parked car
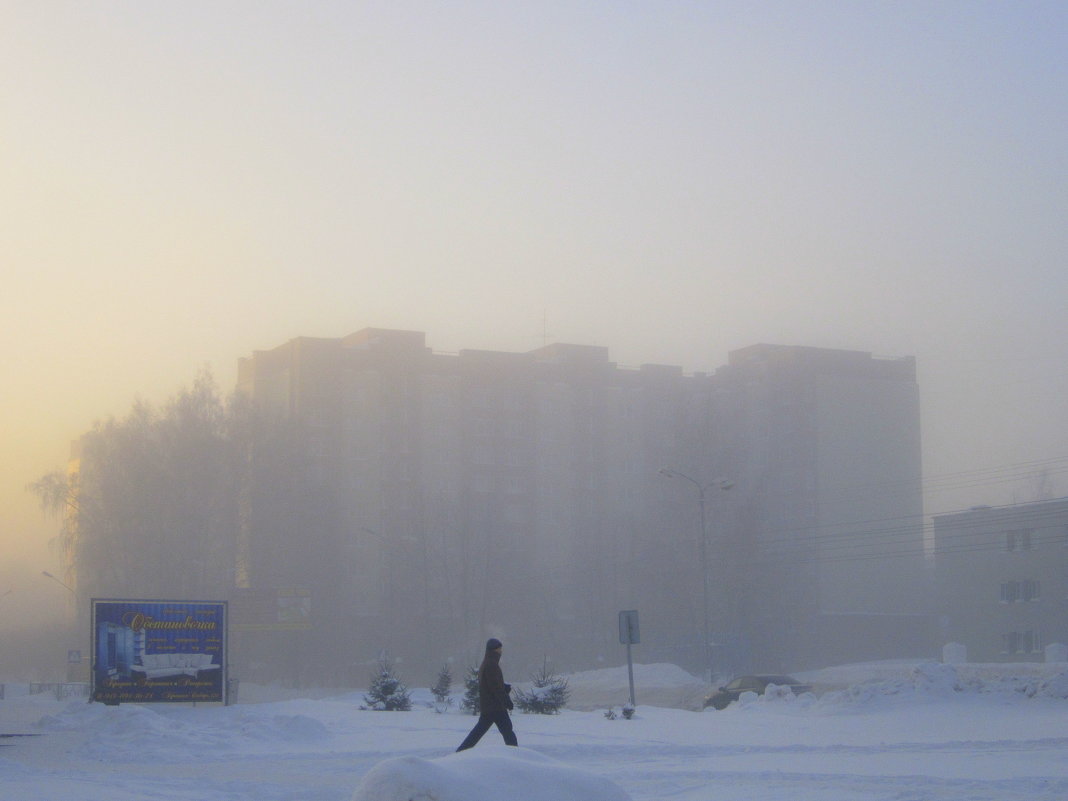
{"type": "Point", "coordinates": [755, 684]}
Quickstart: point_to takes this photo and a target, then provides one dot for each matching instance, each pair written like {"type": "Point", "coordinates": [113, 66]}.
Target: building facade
{"type": "Point", "coordinates": [445, 498]}
{"type": "Point", "coordinates": [828, 537]}
{"type": "Point", "coordinates": [1003, 579]}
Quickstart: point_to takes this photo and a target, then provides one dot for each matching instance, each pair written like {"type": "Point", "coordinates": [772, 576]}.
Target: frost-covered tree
{"type": "Point", "coordinates": [442, 688]}
{"type": "Point", "coordinates": [153, 507]}
{"type": "Point", "coordinates": [387, 693]}
{"type": "Point", "coordinates": [547, 695]}
{"type": "Point", "coordinates": [470, 702]}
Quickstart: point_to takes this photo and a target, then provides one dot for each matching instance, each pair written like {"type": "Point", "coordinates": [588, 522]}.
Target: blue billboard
{"type": "Point", "coordinates": [147, 651]}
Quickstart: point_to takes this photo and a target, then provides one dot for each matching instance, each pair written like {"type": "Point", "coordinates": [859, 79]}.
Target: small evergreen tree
{"type": "Point", "coordinates": [442, 688]}
{"type": "Point", "coordinates": [628, 712]}
{"type": "Point", "coordinates": [387, 693]}
{"type": "Point", "coordinates": [547, 696]}
{"type": "Point", "coordinates": [470, 702]}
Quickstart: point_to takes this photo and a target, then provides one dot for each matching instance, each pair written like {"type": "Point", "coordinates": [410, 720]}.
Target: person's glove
{"type": "Point", "coordinates": [507, 688]}
{"type": "Point", "coordinates": [510, 704]}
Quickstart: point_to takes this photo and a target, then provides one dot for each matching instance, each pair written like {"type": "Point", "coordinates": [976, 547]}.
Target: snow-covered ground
{"type": "Point", "coordinates": [901, 731]}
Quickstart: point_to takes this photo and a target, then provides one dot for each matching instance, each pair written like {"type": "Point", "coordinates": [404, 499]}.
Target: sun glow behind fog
{"type": "Point", "coordinates": [183, 184]}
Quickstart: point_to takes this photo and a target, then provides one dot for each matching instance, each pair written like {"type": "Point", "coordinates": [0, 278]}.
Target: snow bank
{"type": "Point", "coordinates": [484, 774]}
{"type": "Point", "coordinates": [909, 684]}
{"type": "Point", "coordinates": [662, 685]}
{"type": "Point", "coordinates": [972, 673]}
{"type": "Point", "coordinates": [164, 734]}
{"type": "Point", "coordinates": [935, 680]}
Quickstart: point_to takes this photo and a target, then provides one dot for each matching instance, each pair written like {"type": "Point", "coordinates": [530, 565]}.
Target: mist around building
{"type": "Point", "coordinates": [367, 498]}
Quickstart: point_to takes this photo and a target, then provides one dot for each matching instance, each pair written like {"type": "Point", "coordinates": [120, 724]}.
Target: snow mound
{"type": "Point", "coordinates": [1056, 687]}
{"type": "Point", "coordinates": [485, 774]}
{"type": "Point", "coordinates": [661, 684]}
{"type": "Point", "coordinates": [775, 695]}
{"type": "Point", "coordinates": [936, 681]}
{"type": "Point", "coordinates": [135, 731]}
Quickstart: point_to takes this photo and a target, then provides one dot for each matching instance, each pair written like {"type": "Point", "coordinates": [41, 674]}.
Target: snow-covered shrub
{"type": "Point", "coordinates": [547, 696]}
{"type": "Point", "coordinates": [387, 693]}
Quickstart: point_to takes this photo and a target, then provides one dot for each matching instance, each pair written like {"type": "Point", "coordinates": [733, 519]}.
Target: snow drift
{"type": "Point", "coordinates": [490, 774]}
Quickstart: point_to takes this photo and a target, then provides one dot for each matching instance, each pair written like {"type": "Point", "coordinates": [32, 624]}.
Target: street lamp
{"type": "Point", "coordinates": [72, 670]}
{"type": "Point", "coordinates": [721, 484]}
{"type": "Point", "coordinates": [46, 574]}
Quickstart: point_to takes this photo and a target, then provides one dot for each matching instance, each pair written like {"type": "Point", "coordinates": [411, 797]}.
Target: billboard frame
{"type": "Point", "coordinates": [150, 650]}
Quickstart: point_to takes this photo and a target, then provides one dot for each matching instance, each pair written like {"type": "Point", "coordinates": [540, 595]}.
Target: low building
{"type": "Point", "coordinates": [1003, 579]}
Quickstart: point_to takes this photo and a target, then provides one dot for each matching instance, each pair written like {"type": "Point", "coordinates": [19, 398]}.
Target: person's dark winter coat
{"type": "Point", "coordinates": [493, 693]}
{"type": "Point", "coordinates": [494, 700]}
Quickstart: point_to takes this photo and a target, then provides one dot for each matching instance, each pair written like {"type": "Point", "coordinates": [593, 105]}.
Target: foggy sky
{"type": "Point", "coordinates": [183, 183]}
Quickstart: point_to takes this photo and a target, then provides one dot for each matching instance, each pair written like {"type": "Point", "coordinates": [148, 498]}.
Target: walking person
{"type": "Point", "coordinates": [494, 699]}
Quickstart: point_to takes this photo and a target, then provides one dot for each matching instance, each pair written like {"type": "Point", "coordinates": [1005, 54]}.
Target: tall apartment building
{"type": "Point", "coordinates": [1003, 579]}
{"type": "Point", "coordinates": [824, 449]}
{"type": "Point", "coordinates": [445, 498]}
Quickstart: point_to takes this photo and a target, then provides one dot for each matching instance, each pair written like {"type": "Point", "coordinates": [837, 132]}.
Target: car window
{"type": "Point", "coordinates": [737, 684]}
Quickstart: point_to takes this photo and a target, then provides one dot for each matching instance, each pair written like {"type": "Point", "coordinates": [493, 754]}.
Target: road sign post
{"type": "Point", "coordinates": [629, 635]}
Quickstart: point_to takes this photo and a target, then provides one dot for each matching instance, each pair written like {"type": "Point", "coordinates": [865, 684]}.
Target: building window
{"type": "Point", "coordinates": [1027, 590]}
{"type": "Point", "coordinates": [1030, 590]}
{"type": "Point", "coordinates": [1018, 540]}
{"type": "Point", "coordinates": [1021, 642]}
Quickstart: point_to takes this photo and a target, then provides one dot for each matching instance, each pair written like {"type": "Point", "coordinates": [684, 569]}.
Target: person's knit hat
{"type": "Point", "coordinates": [492, 644]}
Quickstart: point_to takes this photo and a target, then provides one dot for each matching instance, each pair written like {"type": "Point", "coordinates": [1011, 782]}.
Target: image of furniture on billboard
{"type": "Point", "coordinates": [165, 665]}
{"type": "Point", "coordinates": [121, 655]}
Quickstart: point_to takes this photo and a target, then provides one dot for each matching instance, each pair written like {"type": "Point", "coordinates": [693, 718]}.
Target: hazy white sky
{"type": "Point", "coordinates": [183, 183]}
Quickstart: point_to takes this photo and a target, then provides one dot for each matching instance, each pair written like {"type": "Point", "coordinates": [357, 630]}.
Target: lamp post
{"type": "Point", "coordinates": [721, 484]}
{"type": "Point", "coordinates": [46, 574]}
{"type": "Point", "coordinates": [73, 665]}
{"type": "Point", "coordinates": [70, 589]}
